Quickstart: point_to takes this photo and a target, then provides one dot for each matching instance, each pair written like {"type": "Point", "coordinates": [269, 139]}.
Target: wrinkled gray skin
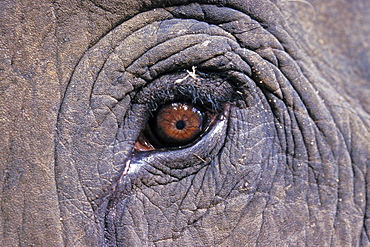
{"type": "Point", "coordinates": [284, 165]}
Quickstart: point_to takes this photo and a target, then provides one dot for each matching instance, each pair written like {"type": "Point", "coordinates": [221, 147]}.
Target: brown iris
{"type": "Point", "coordinates": [178, 124]}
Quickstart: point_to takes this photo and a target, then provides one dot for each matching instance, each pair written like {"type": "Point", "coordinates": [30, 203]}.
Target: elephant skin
{"type": "Point", "coordinates": [282, 163]}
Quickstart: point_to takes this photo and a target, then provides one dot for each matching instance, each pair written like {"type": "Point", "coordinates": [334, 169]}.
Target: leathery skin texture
{"type": "Point", "coordinates": [284, 163]}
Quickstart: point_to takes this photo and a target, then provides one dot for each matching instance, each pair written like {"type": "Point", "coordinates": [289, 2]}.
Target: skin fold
{"type": "Point", "coordinates": [284, 157]}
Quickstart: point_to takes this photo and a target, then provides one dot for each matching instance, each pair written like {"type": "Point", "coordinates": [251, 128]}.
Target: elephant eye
{"type": "Point", "coordinates": [173, 125]}
{"type": "Point", "coordinates": [177, 124]}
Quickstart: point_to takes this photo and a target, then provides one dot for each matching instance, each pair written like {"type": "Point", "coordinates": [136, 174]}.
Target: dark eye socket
{"type": "Point", "coordinates": [174, 125]}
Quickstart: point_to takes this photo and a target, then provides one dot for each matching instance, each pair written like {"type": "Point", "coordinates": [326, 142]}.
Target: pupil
{"type": "Point", "coordinates": [180, 124]}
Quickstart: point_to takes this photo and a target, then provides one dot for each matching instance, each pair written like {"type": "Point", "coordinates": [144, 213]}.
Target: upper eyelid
{"type": "Point", "coordinates": [196, 91]}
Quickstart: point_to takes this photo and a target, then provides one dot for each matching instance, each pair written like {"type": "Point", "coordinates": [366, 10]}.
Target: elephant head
{"type": "Point", "coordinates": [208, 123]}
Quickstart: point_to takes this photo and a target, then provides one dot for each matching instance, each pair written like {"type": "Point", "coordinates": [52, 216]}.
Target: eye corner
{"type": "Point", "coordinates": [143, 145]}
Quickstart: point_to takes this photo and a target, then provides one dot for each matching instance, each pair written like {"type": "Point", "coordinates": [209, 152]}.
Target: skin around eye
{"type": "Point", "coordinates": [178, 124]}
